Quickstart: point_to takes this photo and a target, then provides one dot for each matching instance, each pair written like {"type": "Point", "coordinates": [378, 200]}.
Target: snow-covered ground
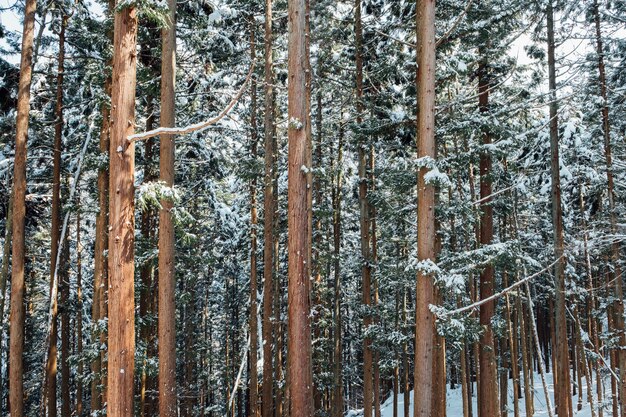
{"type": "Point", "coordinates": [455, 402]}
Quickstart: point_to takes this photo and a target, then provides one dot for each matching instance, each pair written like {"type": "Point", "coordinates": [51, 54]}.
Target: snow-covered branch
{"type": "Point", "coordinates": [197, 126]}
{"type": "Point", "coordinates": [443, 313]}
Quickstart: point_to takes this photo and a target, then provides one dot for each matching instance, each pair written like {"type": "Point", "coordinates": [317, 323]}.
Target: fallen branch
{"type": "Point", "coordinates": [197, 126]}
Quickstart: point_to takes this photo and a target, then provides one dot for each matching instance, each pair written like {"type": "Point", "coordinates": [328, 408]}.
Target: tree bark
{"type": "Point", "coordinates": [79, 317]}
{"type": "Point", "coordinates": [55, 234]}
{"type": "Point", "coordinates": [426, 251]}
{"type": "Point", "coordinates": [253, 358]}
{"type": "Point", "coordinates": [100, 279]}
{"type": "Point", "coordinates": [167, 279]}
{"type": "Point", "coordinates": [267, 403]}
{"type": "Point", "coordinates": [299, 341]}
{"type": "Point", "coordinates": [615, 247]}
{"type": "Point", "coordinates": [563, 388]}
{"type": "Point", "coordinates": [338, 407]}
{"type": "Point", "coordinates": [121, 305]}
{"type": "Point", "coordinates": [488, 389]}
{"type": "Point", "coordinates": [4, 273]}
{"type": "Point", "coordinates": [364, 220]}
{"type": "Point", "coordinates": [16, 331]}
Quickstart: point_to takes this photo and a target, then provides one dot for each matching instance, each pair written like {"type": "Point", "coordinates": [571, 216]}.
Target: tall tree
{"type": "Point", "coordinates": [618, 304]}
{"type": "Point", "coordinates": [337, 406]}
{"type": "Point", "coordinates": [487, 392]}
{"type": "Point", "coordinates": [364, 220]}
{"type": "Point", "coordinates": [121, 300]}
{"type": "Point", "coordinates": [253, 398]}
{"type": "Point", "coordinates": [426, 152]}
{"type": "Point", "coordinates": [267, 403]}
{"type": "Point", "coordinates": [167, 282]}
{"type": "Point", "coordinates": [562, 372]}
{"type": "Point", "coordinates": [55, 233]}
{"type": "Point", "coordinates": [101, 245]}
{"type": "Point", "coordinates": [16, 332]}
{"type": "Point", "coordinates": [299, 323]}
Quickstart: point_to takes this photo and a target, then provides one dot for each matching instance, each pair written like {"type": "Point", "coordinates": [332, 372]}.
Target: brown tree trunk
{"type": "Point", "coordinates": [121, 305]}
{"type": "Point", "coordinates": [63, 275]}
{"type": "Point", "coordinates": [267, 403]}
{"type": "Point", "coordinates": [100, 279]}
{"type": "Point", "coordinates": [562, 371]}
{"type": "Point", "coordinates": [64, 292]}
{"type": "Point", "coordinates": [338, 407]}
{"type": "Point", "coordinates": [4, 273]}
{"type": "Point", "coordinates": [79, 317]}
{"type": "Point", "coordinates": [167, 280]}
{"type": "Point", "coordinates": [615, 247]}
{"type": "Point", "coordinates": [253, 358]}
{"type": "Point", "coordinates": [299, 341]}
{"type": "Point", "coordinates": [16, 331]}
{"type": "Point", "coordinates": [364, 220]}
{"type": "Point", "coordinates": [146, 308]}
{"type": "Point", "coordinates": [426, 235]}
{"type": "Point", "coordinates": [488, 388]}
{"type": "Point", "coordinates": [55, 234]}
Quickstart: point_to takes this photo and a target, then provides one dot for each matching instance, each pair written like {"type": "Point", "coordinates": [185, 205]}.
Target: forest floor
{"type": "Point", "coordinates": [455, 402]}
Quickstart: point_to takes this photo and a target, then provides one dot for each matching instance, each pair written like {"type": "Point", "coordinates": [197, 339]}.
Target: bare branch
{"type": "Point", "coordinates": [197, 126]}
{"type": "Point", "coordinates": [498, 295]}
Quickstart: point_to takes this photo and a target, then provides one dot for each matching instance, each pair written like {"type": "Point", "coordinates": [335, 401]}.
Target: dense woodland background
{"type": "Point", "coordinates": [360, 286]}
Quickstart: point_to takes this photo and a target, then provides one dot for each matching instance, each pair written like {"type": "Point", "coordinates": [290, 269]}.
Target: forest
{"type": "Point", "coordinates": [312, 208]}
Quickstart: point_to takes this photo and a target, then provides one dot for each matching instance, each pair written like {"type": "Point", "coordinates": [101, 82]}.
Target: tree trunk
{"type": "Point", "coordinates": [615, 247]}
{"type": "Point", "coordinates": [338, 407]}
{"type": "Point", "coordinates": [426, 145]}
{"type": "Point", "coordinates": [100, 279]}
{"type": "Point", "coordinates": [16, 331]}
{"type": "Point", "coordinates": [363, 219]}
{"type": "Point", "coordinates": [147, 404]}
{"type": "Point", "coordinates": [79, 317]}
{"type": "Point", "coordinates": [64, 292]}
{"type": "Point", "coordinates": [55, 234]}
{"type": "Point", "coordinates": [167, 280]}
{"type": "Point", "coordinates": [4, 273]}
{"type": "Point", "coordinates": [121, 305]}
{"type": "Point", "coordinates": [267, 403]}
{"type": "Point", "coordinates": [563, 388]}
{"type": "Point", "coordinates": [488, 389]}
{"type": "Point", "coordinates": [253, 358]}
{"type": "Point", "coordinates": [299, 341]}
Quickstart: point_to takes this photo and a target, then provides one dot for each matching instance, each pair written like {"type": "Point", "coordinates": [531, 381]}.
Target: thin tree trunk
{"type": "Point", "coordinates": [615, 247]}
{"type": "Point", "coordinates": [338, 407]}
{"type": "Point", "coordinates": [79, 317]}
{"type": "Point", "coordinates": [267, 403]}
{"type": "Point", "coordinates": [563, 388]}
{"type": "Point", "coordinates": [16, 331]}
{"type": "Point", "coordinates": [51, 365]}
{"type": "Point", "coordinates": [167, 279]}
{"type": "Point", "coordinates": [4, 273]}
{"type": "Point", "coordinates": [364, 220]}
{"type": "Point", "coordinates": [299, 341]}
{"type": "Point", "coordinates": [64, 293]}
{"type": "Point", "coordinates": [426, 146]}
{"type": "Point", "coordinates": [253, 356]}
{"type": "Point", "coordinates": [146, 405]}
{"type": "Point", "coordinates": [488, 390]}
{"type": "Point", "coordinates": [405, 360]}
{"type": "Point", "coordinates": [100, 279]}
{"type": "Point", "coordinates": [539, 357]}
{"type": "Point", "coordinates": [121, 305]}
